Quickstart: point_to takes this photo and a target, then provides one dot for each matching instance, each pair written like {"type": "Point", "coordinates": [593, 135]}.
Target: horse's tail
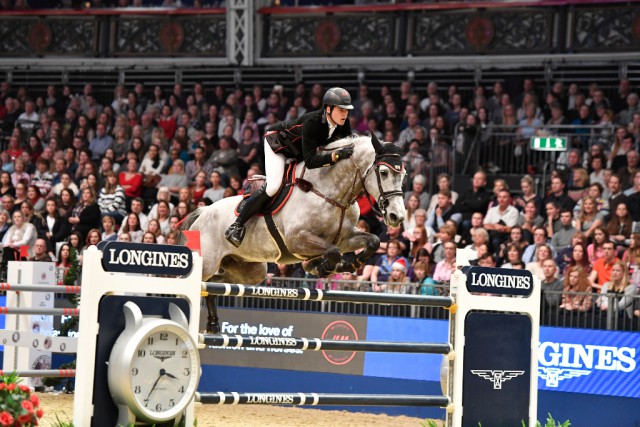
{"type": "Point", "coordinates": [186, 225]}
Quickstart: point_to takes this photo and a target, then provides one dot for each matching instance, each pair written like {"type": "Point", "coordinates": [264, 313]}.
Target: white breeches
{"type": "Point", "coordinates": [274, 165]}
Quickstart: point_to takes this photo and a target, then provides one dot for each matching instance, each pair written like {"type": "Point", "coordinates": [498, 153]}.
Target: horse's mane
{"type": "Point", "coordinates": [351, 139]}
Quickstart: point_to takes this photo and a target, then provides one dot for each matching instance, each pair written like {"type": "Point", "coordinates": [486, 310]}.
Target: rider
{"type": "Point", "coordinates": [298, 139]}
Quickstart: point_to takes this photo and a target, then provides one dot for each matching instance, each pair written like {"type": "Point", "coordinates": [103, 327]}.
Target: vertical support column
{"type": "Point", "coordinates": [240, 28]}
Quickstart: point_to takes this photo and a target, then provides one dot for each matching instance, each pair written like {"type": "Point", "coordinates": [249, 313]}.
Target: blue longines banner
{"type": "Point", "coordinates": [569, 360]}
{"type": "Point", "coordinates": [589, 361]}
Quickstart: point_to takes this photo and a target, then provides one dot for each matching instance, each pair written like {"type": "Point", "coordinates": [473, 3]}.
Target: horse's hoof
{"type": "Point", "coordinates": [213, 328]}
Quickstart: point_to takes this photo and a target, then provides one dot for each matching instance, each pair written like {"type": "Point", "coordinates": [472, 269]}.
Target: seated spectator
{"type": "Point", "coordinates": [477, 221]}
{"type": "Point", "coordinates": [42, 178]}
{"type": "Point", "coordinates": [382, 269]}
{"type": "Point", "coordinates": [589, 218]}
{"type": "Point", "coordinates": [446, 233]}
{"type": "Point", "coordinates": [64, 258]}
{"type": "Point", "coordinates": [444, 183]}
{"type": "Point", "coordinates": [6, 185]}
{"type": "Point", "coordinates": [216, 191]}
{"type": "Point", "coordinates": [443, 212]}
{"type": "Point", "coordinates": [132, 228]}
{"type": "Point", "coordinates": [175, 179]}
{"type": "Point", "coordinates": [475, 199]}
{"type": "Point", "coordinates": [616, 195]}
{"type": "Point", "coordinates": [418, 241]}
{"type": "Point", "coordinates": [578, 257]}
{"type": "Point", "coordinates": [576, 291]}
{"type": "Point", "coordinates": [513, 255]}
{"type": "Point", "coordinates": [528, 194]}
{"type": "Point", "coordinates": [86, 214]}
{"type": "Point", "coordinates": [20, 173]}
{"type": "Point", "coordinates": [155, 229]}
{"type": "Point", "coordinates": [172, 238]}
{"type": "Point", "coordinates": [500, 219]}
{"type": "Point", "coordinates": [445, 268]}
{"type": "Point", "coordinates": [601, 273]}
{"type": "Point", "coordinates": [93, 238]}
{"type": "Point", "coordinates": [149, 237]}
{"type": "Point", "coordinates": [131, 180]}
{"type": "Point", "coordinates": [21, 193]}
{"type": "Point", "coordinates": [124, 237]}
{"type": "Point", "coordinates": [67, 202]}
{"type": "Point", "coordinates": [418, 189]}
{"type": "Point", "coordinates": [182, 210]}
{"type": "Point", "coordinates": [530, 219]}
{"type": "Point", "coordinates": [112, 198]}
{"type": "Point", "coordinates": [558, 195]}
{"type": "Point", "coordinates": [423, 279]}
{"type": "Point", "coordinates": [57, 227]}
{"type": "Point", "coordinates": [35, 198]}
{"type": "Point", "coordinates": [562, 238]}
{"type": "Point", "coordinates": [617, 295]}
{"type": "Point", "coordinates": [162, 214]}
{"type": "Point", "coordinates": [109, 229]}
{"type": "Point", "coordinates": [543, 252]}
{"type": "Point", "coordinates": [40, 253]}
{"type": "Point", "coordinates": [65, 182]}
{"type": "Point", "coordinates": [4, 223]}
{"type": "Point", "coordinates": [34, 218]}
{"type": "Point", "coordinates": [21, 233]}
{"type": "Point", "coordinates": [398, 281]}
{"type": "Point", "coordinates": [579, 189]}
{"type": "Point", "coordinates": [551, 285]}
{"type": "Point", "coordinates": [412, 204]}
{"type": "Point", "coordinates": [539, 239]}
{"type": "Point", "coordinates": [76, 241]}
{"type": "Point", "coordinates": [620, 227]}
{"type": "Point", "coordinates": [595, 250]}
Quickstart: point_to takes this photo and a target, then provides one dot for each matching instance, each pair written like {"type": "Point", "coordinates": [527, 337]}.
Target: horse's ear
{"type": "Point", "coordinates": [377, 145]}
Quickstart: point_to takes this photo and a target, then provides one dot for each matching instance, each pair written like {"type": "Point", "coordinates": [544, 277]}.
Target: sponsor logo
{"type": "Point", "coordinates": [561, 361]}
{"type": "Point", "coordinates": [553, 376]}
{"type": "Point", "coordinates": [261, 291]}
{"type": "Point", "coordinates": [162, 355]}
{"type": "Point", "coordinates": [497, 377]}
{"type": "Point", "coordinates": [339, 330]}
{"type": "Point", "coordinates": [498, 281]}
{"type": "Point", "coordinates": [268, 398]}
{"type": "Point", "coordinates": [268, 341]}
{"type": "Point", "coordinates": [156, 259]}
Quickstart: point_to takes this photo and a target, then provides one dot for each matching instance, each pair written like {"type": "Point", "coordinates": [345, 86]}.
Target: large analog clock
{"type": "Point", "coordinates": [154, 367]}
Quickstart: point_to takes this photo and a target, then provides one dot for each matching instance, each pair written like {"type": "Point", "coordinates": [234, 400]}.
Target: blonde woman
{"type": "Point", "coordinates": [589, 217]}
{"type": "Point", "coordinates": [618, 293]}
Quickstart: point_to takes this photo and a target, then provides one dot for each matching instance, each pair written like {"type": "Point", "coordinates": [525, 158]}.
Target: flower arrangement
{"type": "Point", "coordinates": [18, 407]}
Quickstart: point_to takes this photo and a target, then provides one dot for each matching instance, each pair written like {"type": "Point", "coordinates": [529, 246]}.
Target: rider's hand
{"type": "Point", "coordinates": [344, 153]}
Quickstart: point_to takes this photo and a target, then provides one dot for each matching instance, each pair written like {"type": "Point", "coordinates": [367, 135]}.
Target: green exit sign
{"type": "Point", "coordinates": [550, 143]}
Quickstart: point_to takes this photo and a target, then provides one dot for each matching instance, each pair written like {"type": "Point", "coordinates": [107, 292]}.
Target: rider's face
{"type": "Point", "coordinates": [338, 115]}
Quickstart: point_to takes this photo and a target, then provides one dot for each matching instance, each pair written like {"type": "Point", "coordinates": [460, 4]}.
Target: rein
{"type": "Point", "coordinates": [383, 199]}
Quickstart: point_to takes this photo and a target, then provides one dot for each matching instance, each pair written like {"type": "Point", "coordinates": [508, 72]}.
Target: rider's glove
{"type": "Point", "coordinates": [344, 153]}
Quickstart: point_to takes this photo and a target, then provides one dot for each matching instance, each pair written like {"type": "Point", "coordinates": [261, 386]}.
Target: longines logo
{"type": "Point", "coordinates": [497, 377]}
{"type": "Point", "coordinates": [162, 354]}
{"type": "Point", "coordinates": [125, 257]}
{"type": "Point", "coordinates": [553, 376]}
{"type": "Point", "coordinates": [561, 361]}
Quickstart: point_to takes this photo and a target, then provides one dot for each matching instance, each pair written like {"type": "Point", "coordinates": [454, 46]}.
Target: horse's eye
{"type": "Point", "coordinates": [384, 172]}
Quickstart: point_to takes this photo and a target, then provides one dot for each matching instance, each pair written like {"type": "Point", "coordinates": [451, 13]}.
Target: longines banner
{"type": "Point", "coordinates": [569, 359]}
{"type": "Point", "coordinates": [284, 325]}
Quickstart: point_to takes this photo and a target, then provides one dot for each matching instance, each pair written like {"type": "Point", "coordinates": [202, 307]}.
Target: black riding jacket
{"type": "Point", "coordinates": [300, 139]}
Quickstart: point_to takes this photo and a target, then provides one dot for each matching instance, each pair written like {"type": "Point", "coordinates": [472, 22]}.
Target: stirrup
{"type": "Point", "coordinates": [235, 234]}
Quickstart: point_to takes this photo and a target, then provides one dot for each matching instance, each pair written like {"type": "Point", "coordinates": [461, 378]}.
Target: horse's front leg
{"type": "Point", "coordinates": [323, 266]}
{"type": "Point", "coordinates": [358, 239]}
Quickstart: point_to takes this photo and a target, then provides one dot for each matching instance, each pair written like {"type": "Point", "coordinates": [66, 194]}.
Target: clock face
{"type": "Point", "coordinates": [164, 371]}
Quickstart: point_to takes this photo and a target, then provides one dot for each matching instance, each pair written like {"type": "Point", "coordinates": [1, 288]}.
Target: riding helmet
{"type": "Point", "coordinates": [336, 96]}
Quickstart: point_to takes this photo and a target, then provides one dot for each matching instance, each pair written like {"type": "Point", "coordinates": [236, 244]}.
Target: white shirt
{"type": "Point", "coordinates": [509, 217]}
{"type": "Point", "coordinates": [332, 128]}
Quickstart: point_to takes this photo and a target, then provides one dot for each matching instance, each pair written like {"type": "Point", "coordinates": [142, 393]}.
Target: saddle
{"type": "Point", "coordinates": [280, 199]}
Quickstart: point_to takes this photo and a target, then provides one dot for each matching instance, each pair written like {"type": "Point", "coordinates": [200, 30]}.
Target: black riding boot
{"type": "Point", "coordinates": [253, 205]}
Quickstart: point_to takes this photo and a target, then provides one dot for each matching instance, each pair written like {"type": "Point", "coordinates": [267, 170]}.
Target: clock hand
{"type": "Point", "coordinates": [171, 375]}
{"type": "Point", "coordinates": [162, 372]}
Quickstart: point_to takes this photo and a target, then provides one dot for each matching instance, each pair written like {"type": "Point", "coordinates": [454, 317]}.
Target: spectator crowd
{"type": "Point", "coordinates": [80, 168]}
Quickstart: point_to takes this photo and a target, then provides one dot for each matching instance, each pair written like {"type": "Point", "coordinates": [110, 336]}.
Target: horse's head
{"type": "Point", "coordinates": [384, 179]}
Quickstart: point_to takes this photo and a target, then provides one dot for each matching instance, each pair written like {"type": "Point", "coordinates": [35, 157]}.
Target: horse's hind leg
{"type": "Point", "coordinates": [213, 321]}
{"type": "Point", "coordinates": [244, 272]}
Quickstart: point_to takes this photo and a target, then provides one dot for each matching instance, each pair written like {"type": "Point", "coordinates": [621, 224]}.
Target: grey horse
{"type": "Point", "coordinates": [317, 223]}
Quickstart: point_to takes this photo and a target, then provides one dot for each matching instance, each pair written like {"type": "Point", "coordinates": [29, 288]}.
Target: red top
{"type": "Point", "coordinates": [133, 186]}
{"type": "Point", "coordinates": [197, 194]}
{"type": "Point", "coordinates": [169, 126]}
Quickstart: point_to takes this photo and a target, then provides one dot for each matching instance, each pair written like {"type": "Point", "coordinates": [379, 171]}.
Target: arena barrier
{"type": "Point", "coordinates": [490, 360]}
